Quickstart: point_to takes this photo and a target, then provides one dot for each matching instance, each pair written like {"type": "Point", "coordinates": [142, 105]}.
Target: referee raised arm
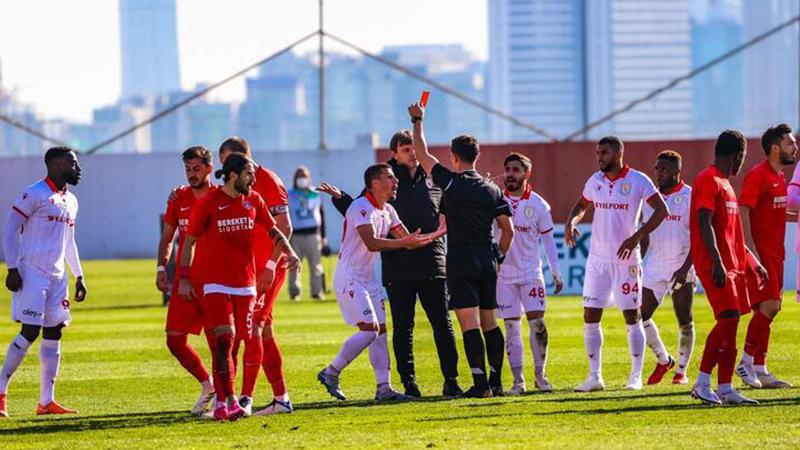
{"type": "Point", "coordinates": [471, 204]}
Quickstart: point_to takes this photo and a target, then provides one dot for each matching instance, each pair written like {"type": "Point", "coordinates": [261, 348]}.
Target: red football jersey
{"type": "Point", "coordinates": [230, 226]}
{"type": "Point", "coordinates": [712, 191]}
{"type": "Point", "coordinates": [274, 193]}
{"type": "Point", "coordinates": [178, 213]}
{"type": "Point", "coordinates": [764, 192]}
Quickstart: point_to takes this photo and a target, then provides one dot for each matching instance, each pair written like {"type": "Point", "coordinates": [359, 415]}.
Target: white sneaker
{"type": "Point", "coordinates": [246, 403]}
{"type": "Point", "coordinates": [769, 381]}
{"type": "Point", "coordinates": [705, 394]}
{"type": "Point", "coordinates": [733, 397]}
{"type": "Point", "coordinates": [748, 375]}
{"type": "Point", "coordinates": [203, 402]}
{"type": "Point", "coordinates": [276, 407]}
{"type": "Point", "coordinates": [634, 383]}
{"type": "Point", "coordinates": [543, 384]}
{"type": "Point", "coordinates": [592, 383]}
{"type": "Point", "coordinates": [517, 389]}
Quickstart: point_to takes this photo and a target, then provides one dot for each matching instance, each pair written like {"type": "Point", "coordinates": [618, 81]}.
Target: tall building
{"type": "Point", "coordinates": [149, 47]}
{"type": "Point", "coordinates": [771, 65]}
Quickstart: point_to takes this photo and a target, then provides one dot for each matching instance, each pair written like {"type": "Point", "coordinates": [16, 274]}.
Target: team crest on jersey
{"type": "Point", "coordinates": [24, 195]}
{"type": "Point", "coordinates": [678, 200]}
{"type": "Point", "coordinates": [363, 213]}
{"type": "Point", "coordinates": [247, 204]}
{"type": "Point", "coordinates": [598, 187]}
{"type": "Point", "coordinates": [626, 188]}
{"type": "Point", "coordinates": [429, 183]}
{"type": "Point", "coordinates": [529, 211]}
{"type": "Point", "coordinates": [634, 271]}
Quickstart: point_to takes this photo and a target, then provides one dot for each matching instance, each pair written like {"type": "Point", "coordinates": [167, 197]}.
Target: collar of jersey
{"type": "Point", "coordinates": [676, 188]}
{"type": "Point", "coordinates": [372, 200]}
{"type": "Point", "coordinates": [620, 175]}
{"type": "Point", "coordinates": [526, 194]}
{"type": "Point", "coordinates": [53, 186]}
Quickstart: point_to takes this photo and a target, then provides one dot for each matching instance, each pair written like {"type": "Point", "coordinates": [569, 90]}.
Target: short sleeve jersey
{"type": "Point", "coordinates": [50, 213]}
{"type": "Point", "coordinates": [229, 226]}
{"type": "Point", "coordinates": [617, 205]}
{"type": "Point", "coordinates": [470, 205]}
{"type": "Point", "coordinates": [179, 211]}
{"type": "Point", "coordinates": [764, 192]}
{"type": "Point", "coordinates": [669, 243]}
{"type": "Point", "coordinates": [713, 192]}
{"type": "Point", "coordinates": [354, 256]}
{"type": "Point", "coordinates": [532, 218]}
{"type": "Point", "coordinates": [271, 188]}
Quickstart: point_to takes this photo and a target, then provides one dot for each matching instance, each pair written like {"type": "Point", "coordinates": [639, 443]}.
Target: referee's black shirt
{"type": "Point", "coordinates": [470, 205]}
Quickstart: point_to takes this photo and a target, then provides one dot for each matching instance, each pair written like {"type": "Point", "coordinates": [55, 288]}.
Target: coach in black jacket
{"type": "Point", "coordinates": [408, 274]}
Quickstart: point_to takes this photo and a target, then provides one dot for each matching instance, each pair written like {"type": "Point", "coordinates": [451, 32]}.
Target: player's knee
{"type": "Point", "coordinates": [267, 332]}
{"type": "Point", "coordinates": [381, 328]}
{"type": "Point", "coordinates": [729, 314]}
{"type": "Point", "coordinates": [535, 315]}
{"type": "Point", "coordinates": [52, 333]}
{"type": "Point", "coordinates": [176, 342]}
{"type": "Point", "coordinates": [632, 316]}
{"type": "Point", "coordinates": [592, 315]}
{"type": "Point", "coordinates": [30, 332]}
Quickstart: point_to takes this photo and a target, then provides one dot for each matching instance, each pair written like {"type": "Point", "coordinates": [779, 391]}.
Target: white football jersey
{"type": "Point", "coordinates": [50, 214]}
{"type": "Point", "coordinates": [669, 243]}
{"type": "Point", "coordinates": [531, 218]}
{"type": "Point", "coordinates": [617, 205]}
{"type": "Point", "coordinates": [354, 258]}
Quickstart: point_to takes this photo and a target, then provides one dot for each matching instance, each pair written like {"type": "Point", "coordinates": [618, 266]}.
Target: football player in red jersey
{"type": "Point", "coordinates": [229, 219]}
{"type": "Point", "coordinates": [185, 317]}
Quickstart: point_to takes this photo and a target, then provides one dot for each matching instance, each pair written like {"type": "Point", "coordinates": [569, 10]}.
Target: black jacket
{"type": "Point", "coordinates": [417, 204]}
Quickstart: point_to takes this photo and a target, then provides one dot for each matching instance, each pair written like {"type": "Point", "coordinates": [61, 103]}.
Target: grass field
{"type": "Point", "coordinates": [132, 394]}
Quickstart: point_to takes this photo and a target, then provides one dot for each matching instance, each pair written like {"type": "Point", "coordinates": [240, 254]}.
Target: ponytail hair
{"type": "Point", "coordinates": [235, 162]}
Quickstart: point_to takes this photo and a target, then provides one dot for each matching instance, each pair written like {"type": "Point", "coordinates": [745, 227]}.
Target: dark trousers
{"type": "Point", "coordinates": [402, 301]}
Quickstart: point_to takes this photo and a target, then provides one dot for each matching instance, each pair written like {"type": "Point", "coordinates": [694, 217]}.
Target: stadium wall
{"type": "Point", "coordinates": [121, 196]}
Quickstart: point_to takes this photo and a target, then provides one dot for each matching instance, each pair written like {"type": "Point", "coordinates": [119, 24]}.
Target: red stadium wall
{"type": "Point", "coordinates": [561, 169]}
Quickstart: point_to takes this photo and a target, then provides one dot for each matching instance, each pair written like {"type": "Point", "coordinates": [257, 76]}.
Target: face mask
{"type": "Point", "coordinates": [302, 183]}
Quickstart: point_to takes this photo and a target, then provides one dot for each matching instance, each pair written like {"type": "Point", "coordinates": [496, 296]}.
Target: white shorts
{"type": "Point", "coordinates": [360, 301]}
{"type": "Point", "coordinates": [43, 299]}
{"type": "Point", "coordinates": [657, 277]}
{"type": "Point", "coordinates": [515, 298]}
{"type": "Point", "coordinates": [608, 283]}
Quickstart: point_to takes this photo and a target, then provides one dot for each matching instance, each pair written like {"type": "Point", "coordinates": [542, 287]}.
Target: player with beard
{"type": "Point", "coordinates": [228, 219]}
{"type": "Point", "coordinates": [186, 317]}
{"type": "Point", "coordinates": [763, 208]}
{"type": "Point", "coordinates": [721, 261]}
{"type": "Point", "coordinates": [668, 269]}
{"type": "Point", "coordinates": [614, 266]}
{"type": "Point", "coordinates": [520, 282]}
{"type": "Point", "coordinates": [38, 237]}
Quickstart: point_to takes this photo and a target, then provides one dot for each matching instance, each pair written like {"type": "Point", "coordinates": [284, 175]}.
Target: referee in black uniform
{"type": "Point", "coordinates": [408, 274]}
{"type": "Point", "coordinates": [471, 204]}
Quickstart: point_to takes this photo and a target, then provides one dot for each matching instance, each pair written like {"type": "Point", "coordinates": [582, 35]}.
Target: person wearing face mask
{"type": "Point", "coordinates": [308, 238]}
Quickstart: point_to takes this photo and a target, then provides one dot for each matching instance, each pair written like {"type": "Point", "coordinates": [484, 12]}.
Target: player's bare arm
{"type": "Point", "coordinates": [74, 262]}
{"type": "Point", "coordinates": [718, 271]}
{"type": "Point", "coordinates": [185, 288]}
{"type": "Point", "coordinates": [164, 253]}
{"type": "Point", "coordinates": [579, 209]}
{"type": "Point", "coordinates": [679, 277]}
{"type": "Point", "coordinates": [280, 249]}
{"type": "Point", "coordinates": [644, 245]}
{"type": "Point", "coordinates": [417, 113]}
{"type": "Point", "coordinates": [761, 273]}
{"type": "Point", "coordinates": [282, 220]}
{"type": "Point", "coordinates": [11, 229]}
{"type": "Point", "coordinates": [506, 232]}
{"type": "Point", "coordinates": [407, 240]}
{"type": "Point", "coordinates": [660, 212]}
{"type": "Point", "coordinates": [744, 212]}
{"type": "Point", "coordinates": [442, 230]}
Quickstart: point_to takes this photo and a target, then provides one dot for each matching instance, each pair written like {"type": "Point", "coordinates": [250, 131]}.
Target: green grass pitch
{"type": "Point", "coordinates": [132, 394]}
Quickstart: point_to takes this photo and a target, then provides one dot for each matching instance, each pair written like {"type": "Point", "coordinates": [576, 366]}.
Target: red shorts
{"type": "Point", "coordinates": [185, 316]}
{"type": "Point", "coordinates": [731, 297]}
{"type": "Point", "coordinates": [774, 288]}
{"type": "Point", "coordinates": [262, 312]}
{"type": "Point", "coordinates": [232, 310]}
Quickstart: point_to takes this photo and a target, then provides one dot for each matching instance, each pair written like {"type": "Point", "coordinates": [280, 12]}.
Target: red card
{"type": "Point", "coordinates": [424, 99]}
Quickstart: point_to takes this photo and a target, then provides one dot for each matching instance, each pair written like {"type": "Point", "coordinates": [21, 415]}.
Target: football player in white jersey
{"type": "Point", "coordinates": [38, 237]}
{"type": "Point", "coordinates": [368, 222]}
{"type": "Point", "coordinates": [520, 284]}
{"type": "Point", "coordinates": [614, 266]}
{"type": "Point", "coordinates": [668, 269]}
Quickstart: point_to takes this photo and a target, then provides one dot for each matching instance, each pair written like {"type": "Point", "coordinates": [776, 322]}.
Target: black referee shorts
{"type": "Point", "coordinates": [472, 277]}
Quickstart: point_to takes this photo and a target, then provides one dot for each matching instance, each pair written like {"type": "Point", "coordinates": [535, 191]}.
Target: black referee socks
{"type": "Point", "coordinates": [495, 352]}
{"type": "Point", "coordinates": [473, 347]}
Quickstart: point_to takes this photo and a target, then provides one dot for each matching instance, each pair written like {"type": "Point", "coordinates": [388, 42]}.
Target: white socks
{"type": "Point", "coordinates": [636, 346]}
{"type": "Point", "coordinates": [593, 341]}
{"type": "Point", "coordinates": [514, 348]}
{"type": "Point", "coordinates": [49, 360]}
{"type": "Point", "coordinates": [654, 341]}
{"type": "Point", "coordinates": [539, 342]}
{"type": "Point", "coordinates": [16, 353]}
{"type": "Point", "coordinates": [685, 347]}
{"type": "Point", "coordinates": [703, 378]}
{"type": "Point", "coordinates": [351, 348]}
{"type": "Point", "coordinates": [747, 359]}
{"type": "Point", "coordinates": [379, 358]}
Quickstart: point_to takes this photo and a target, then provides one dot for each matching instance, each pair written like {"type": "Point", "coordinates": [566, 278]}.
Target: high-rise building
{"type": "Point", "coordinates": [149, 47]}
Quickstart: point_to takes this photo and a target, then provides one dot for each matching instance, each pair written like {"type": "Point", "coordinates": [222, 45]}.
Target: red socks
{"type": "Point", "coordinates": [187, 356]}
{"type": "Point", "coordinates": [223, 367]}
{"type": "Point", "coordinates": [757, 338]}
{"type": "Point", "coordinates": [720, 349]}
{"type": "Point", "coordinates": [273, 367]}
{"type": "Point", "coordinates": [253, 353]}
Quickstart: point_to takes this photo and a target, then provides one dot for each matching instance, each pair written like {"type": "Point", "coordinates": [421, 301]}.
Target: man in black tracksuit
{"type": "Point", "coordinates": [408, 274]}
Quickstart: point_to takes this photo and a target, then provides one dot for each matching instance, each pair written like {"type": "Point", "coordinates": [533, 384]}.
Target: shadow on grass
{"type": "Point", "coordinates": [673, 407]}
{"type": "Point", "coordinates": [365, 403]}
{"type": "Point", "coordinates": [593, 397]}
{"type": "Point", "coordinates": [100, 422]}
